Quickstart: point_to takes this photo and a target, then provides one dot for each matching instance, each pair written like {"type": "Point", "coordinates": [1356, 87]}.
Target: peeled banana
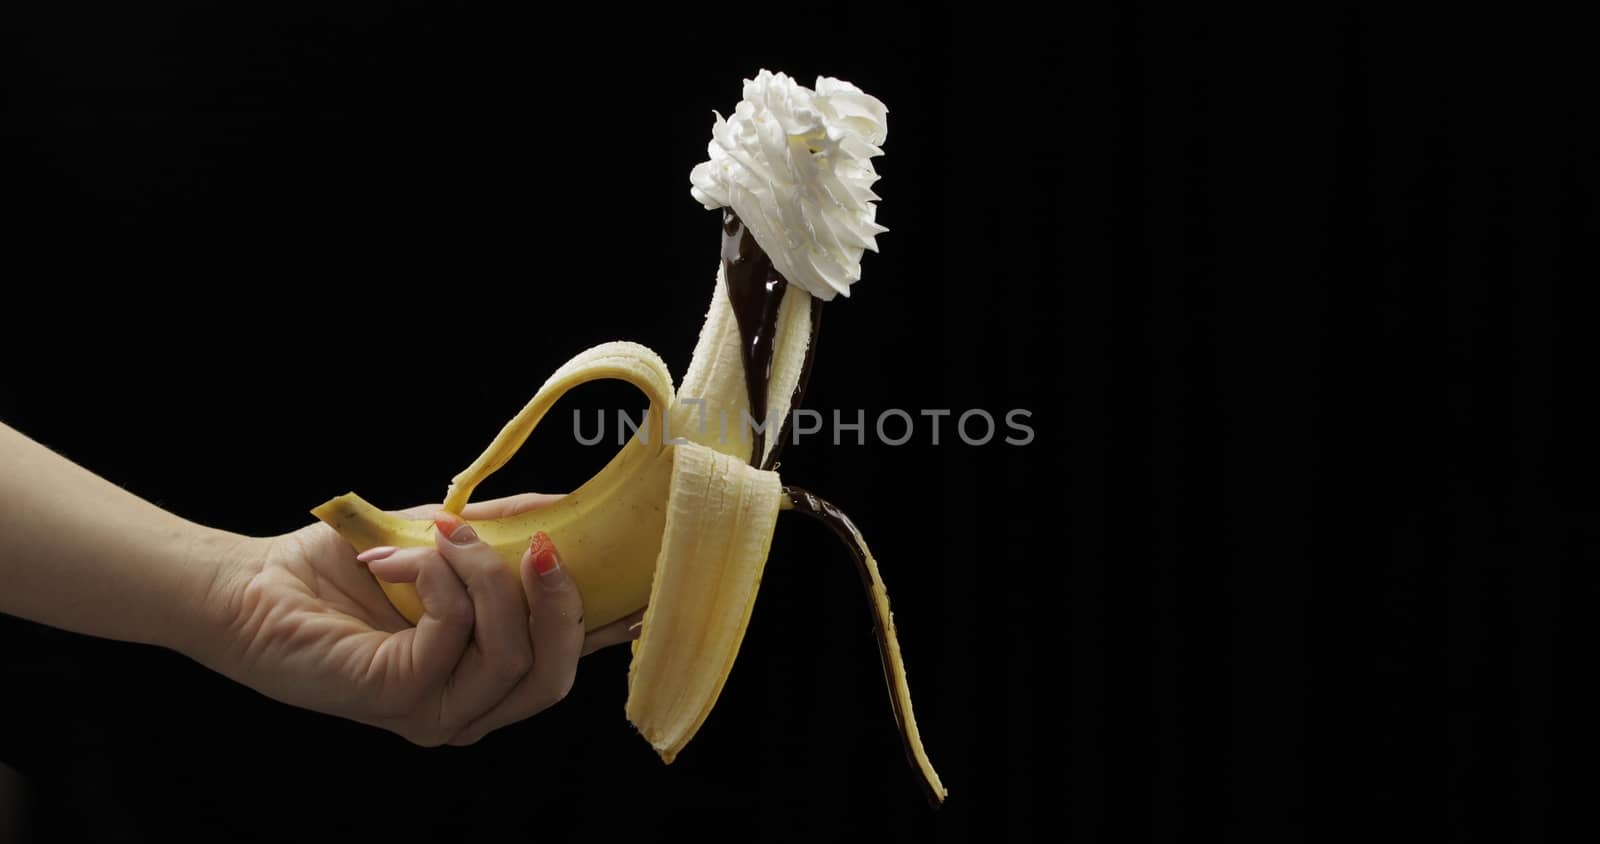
{"type": "Point", "coordinates": [680, 522]}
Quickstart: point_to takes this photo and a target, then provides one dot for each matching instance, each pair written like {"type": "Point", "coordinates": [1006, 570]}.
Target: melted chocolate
{"type": "Point", "coordinates": [755, 292]}
{"type": "Point", "coordinates": [755, 289]}
{"type": "Point", "coordinates": [799, 386]}
{"type": "Point", "coordinates": [808, 503]}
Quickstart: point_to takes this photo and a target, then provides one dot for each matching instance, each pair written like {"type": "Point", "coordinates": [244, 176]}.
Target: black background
{"type": "Point", "coordinates": [1288, 297]}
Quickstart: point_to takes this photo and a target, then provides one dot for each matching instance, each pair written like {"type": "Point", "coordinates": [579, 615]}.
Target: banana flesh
{"type": "Point", "coordinates": [714, 386]}
{"type": "Point", "coordinates": [680, 527]}
{"type": "Point", "coordinates": [719, 529]}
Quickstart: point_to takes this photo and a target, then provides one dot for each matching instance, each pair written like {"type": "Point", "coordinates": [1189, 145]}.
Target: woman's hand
{"type": "Point", "coordinates": [297, 617]}
{"type": "Point", "coordinates": [308, 625]}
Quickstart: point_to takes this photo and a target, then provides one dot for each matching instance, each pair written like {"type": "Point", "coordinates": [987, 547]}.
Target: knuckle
{"type": "Point", "coordinates": [451, 733]}
{"type": "Point", "coordinates": [552, 691]}
{"type": "Point", "coordinates": [456, 607]}
{"type": "Point", "coordinates": [467, 738]}
{"type": "Point", "coordinates": [560, 588]}
{"type": "Point", "coordinates": [563, 687]}
{"type": "Point", "coordinates": [481, 561]}
{"type": "Point", "coordinates": [424, 736]}
{"type": "Point", "coordinates": [457, 612]}
{"type": "Point", "coordinates": [451, 604]}
{"type": "Point", "coordinates": [514, 666]}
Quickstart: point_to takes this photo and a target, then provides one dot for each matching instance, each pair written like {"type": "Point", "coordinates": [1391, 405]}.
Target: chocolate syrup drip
{"type": "Point", "coordinates": [817, 508]}
{"type": "Point", "coordinates": [755, 290]}
{"type": "Point", "coordinates": [799, 386]}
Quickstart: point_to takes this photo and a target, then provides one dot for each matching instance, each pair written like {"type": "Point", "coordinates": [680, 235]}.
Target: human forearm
{"type": "Point", "coordinates": [82, 554]}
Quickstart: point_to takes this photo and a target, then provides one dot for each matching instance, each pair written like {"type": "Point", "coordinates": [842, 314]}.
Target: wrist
{"type": "Point", "coordinates": [218, 565]}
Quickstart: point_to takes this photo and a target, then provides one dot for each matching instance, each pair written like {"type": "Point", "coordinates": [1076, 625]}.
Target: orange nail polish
{"type": "Point", "coordinates": [447, 523]}
{"type": "Point", "coordinates": [453, 528]}
{"type": "Point", "coordinates": [545, 559]}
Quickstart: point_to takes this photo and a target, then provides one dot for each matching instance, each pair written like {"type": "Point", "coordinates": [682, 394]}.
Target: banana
{"type": "Point", "coordinates": [609, 530]}
{"type": "Point", "coordinates": [681, 521]}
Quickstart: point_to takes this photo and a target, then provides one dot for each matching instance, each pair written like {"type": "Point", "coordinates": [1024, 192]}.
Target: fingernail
{"type": "Point", "coordinates": [451, 526]}
{"type": "Point", "coordinates": [372, 555]}
{"type": "Point", "coordinates": [545, 559]}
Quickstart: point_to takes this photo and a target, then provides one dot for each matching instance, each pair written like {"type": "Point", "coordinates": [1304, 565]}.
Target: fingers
{"type": "Point", "coordinates": [434, 647]}
{"type": "Point", "coordinates": [555, 624]}
{"type": "Point", "coordinates": [500, 654]}
{"type": "Point", "coordinates": [619, 631]}
{"type": "Point", "coordinates": [495, 654]}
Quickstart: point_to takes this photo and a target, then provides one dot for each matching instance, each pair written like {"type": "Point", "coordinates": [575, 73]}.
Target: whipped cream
{"type": "Point", "coordinates": [796, 165]}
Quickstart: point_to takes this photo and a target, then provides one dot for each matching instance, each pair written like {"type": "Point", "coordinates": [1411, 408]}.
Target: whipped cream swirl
{"type": "Point", "coordinates": [796, 165]}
